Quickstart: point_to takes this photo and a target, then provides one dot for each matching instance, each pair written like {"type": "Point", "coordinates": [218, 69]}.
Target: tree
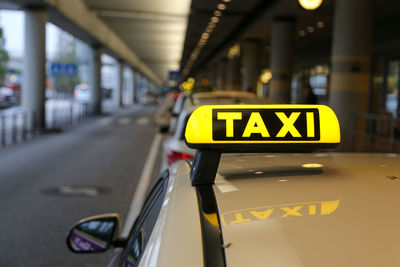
{"type": "Point", "coordinates": [4, 57]}
{"type": "Point", "coordinates": [65, 53]}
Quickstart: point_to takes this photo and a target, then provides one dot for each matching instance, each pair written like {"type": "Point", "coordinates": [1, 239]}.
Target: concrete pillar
{"type": "Point", "coordinates": [95, 78]}
{"type": "Point", "coordinates": [134, 86]}
{"type": "Point", "coordinates": [351, 59]}
{"type": "Point", "coordinates": [233, 75]}
{"type": "Point", "coordinates": [145, 85]}
{"type": "Point", "coordinates": [119, 83]}
{"type": "Point", "coordinates": [281, 59]}
{"type": "Point", "coordinates": [213, 74]}
{"type": "Point", "coordinates": [127, 86]}
{"type": "Point", "coordinates": [34, 86]}
{"type": "Point", "coordinates": [221, 74]}
{"type": "Point", "coordinates": [138, 82]}
{"type": "Point", "coordinates": [251, 64]}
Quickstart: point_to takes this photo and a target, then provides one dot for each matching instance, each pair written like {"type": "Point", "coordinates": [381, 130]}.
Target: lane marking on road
{"type": "Point", "coordinates": [142, 187]}
{"type": "Point", "coordinates": [105, 121]}
{"type": "Point", "coordinates": [124, 121]}
{"type": "Point", "coordinates": [143, 121]}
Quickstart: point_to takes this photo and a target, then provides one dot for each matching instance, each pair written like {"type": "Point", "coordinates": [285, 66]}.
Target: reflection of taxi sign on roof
{"type": "Point", "coordinates": [258, 128]}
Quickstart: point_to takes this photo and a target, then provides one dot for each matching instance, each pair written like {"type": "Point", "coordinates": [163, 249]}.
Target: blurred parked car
{"type": "Point", "coordinates": [82, 92]}
{"type": "Point", "coordinates": [149, 98]}
{"type": "Point", "coordinates": [175, 148]}
{"type": "Point", "coordinates": [7, 95]}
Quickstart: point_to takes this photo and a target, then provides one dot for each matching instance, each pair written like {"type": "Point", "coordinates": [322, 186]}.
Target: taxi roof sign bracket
{"type": "Point", "coordinates": [204, 167]}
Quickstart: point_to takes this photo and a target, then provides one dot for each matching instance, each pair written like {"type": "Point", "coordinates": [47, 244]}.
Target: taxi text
{"type": "Point", "coordinates": [266, 124]}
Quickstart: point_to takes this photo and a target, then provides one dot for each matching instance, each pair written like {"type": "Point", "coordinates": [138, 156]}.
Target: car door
{"type": "Point", "coordinates": [144, 225]}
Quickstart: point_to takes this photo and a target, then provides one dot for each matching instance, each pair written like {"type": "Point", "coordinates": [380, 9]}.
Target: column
{"type": "Point", "coordinates": [233, 74]}
{"type": "Point", "coordinates": [95, 79]}
{"type": "Point", "coordinates": [351, 59]}
{"type": "Point", "coordinates": [251, 64]}
{"type": "Point", "coordinates": [138, 82]}
{"type": "Point", "coordinates": [34, 86]}
{"type": "Point", "coordinates": [119, 83]}
{"type": "Point", "coordinates": [134, 86]}
{"type": "Point", "coordinates": [281, 59]}
{"type": "Point", "coordinates": [213, 74]}
{"type": "Point", "coordinates": [221, 74]}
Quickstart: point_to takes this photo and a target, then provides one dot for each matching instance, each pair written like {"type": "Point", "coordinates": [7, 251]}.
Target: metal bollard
{"type": "Point", "coordinates": [53, 118]}
{"type": "Point", "coordinates": [71, 113]}
{"type": "Point", "coordinates": [35, 127]}
{"type": "Point", "coordinates": [14, 128]}
{"type": "Point", "coordinates": [3, 131]}
{"type": "Point", "coordinates": [24, 125]}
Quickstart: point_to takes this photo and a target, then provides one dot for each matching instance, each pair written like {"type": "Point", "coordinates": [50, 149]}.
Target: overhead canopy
{"type": "Point", "coordinates": [154, 29]}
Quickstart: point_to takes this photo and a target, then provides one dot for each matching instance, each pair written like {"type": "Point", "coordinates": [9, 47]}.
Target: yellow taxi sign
{"type": "Point", "coordinates": [262, 128]}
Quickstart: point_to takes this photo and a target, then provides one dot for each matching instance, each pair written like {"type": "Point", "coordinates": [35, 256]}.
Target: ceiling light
{"type": "Point", "coordinates": [214, 19]}
{"type": "Point", "coordinates": [234, 51]}
{"type": "Point", "coordinates": [310, 4]}
{"type": "Point", "coordinates": [310, 29]}
{"type": "Point", "coordinates": [217, 13]}
{"type": "Point", "coordinates": [320, 24]}
{"type": "Point", "coordinates": [265, 76]}
{"type": "Point", "coordinates": [302, 33]}
{"type": "Point", "coordinates": [221, 6]}
{"type": "Point", "coordinates": [205, 36]}
{"type": "Point", "coordinates": [227, 1]}
{"type": "Point", "coordinates": [312, 165]}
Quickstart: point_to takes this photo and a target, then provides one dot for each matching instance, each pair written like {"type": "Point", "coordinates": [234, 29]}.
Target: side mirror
{"type": "Point", "coordinates": [94, 234]}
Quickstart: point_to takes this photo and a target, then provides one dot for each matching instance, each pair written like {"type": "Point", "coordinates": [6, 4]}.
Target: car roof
{"type": "Point", "coordinates": [224, 94]}
{"type": "Point", "coordinates": [222, 98]}
{"type": "Point", "coordinates": [322, 209]}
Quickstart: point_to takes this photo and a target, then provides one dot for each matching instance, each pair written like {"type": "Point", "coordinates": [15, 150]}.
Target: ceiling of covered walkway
{"type": "Point", "coordinates": [168, 35]}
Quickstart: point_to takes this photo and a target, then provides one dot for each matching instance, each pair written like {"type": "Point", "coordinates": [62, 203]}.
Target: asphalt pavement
{"type": "Point", "coordinates": [49, 183]}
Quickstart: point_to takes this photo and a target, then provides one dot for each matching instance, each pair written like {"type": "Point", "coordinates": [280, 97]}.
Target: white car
{"type": "Point", "coordinates": [82, 92]}
{"type": "Point", "coordinates": [265, 209]}
{"type": "Point", "coordinates": [174, 147]}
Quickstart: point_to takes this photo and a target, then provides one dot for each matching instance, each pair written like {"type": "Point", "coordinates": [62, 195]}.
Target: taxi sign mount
{"type": "Point", "coordinates": [258, 128]}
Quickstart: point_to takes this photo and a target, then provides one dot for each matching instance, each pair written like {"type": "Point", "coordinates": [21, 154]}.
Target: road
{"type": "Point", "coordinates": [47, 184]}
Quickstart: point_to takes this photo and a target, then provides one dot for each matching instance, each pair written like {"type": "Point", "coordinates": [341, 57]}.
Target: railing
{"type": "Point", "coordinates": [13, 126]}
{"type": "Point", "coordinates": [381, 132]}
{"type": "Point", "coordinates": [60, 115]}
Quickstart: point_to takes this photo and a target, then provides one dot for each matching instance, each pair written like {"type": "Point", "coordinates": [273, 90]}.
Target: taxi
{"type": "Point", "coordinates": [254, 196]}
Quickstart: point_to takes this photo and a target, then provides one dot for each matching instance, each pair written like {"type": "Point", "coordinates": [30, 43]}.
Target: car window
{"type": "Point", "coordinates": [181, 134]}
{"type": "Point", "coordinates": [144, 224]}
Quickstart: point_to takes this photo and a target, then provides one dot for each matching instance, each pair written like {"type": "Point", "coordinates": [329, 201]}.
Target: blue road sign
{"type": "Point", "coordinates": [70, 69]}
{"type": "Point", "coordinates": [55, 69]}
{"type": "Point", "coordinates": [63, 69]}
{"type": "Point", "coordinates": [174, 75]}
